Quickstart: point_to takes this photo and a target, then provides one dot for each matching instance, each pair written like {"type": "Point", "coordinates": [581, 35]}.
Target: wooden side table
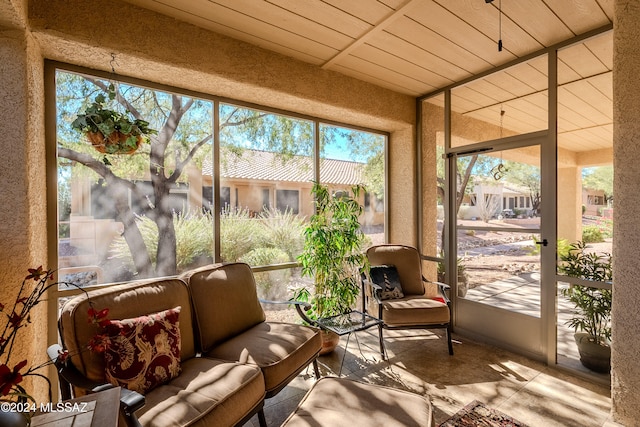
{"type": "Point", "coordinates": [94, 410]}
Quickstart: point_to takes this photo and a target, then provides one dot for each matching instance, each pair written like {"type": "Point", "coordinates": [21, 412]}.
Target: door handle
{"type": "Point", "coordinates": [543, 242]}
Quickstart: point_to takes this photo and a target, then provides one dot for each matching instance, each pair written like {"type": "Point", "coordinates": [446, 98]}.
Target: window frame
{"type": "Point", "coordinates": [51, 67]}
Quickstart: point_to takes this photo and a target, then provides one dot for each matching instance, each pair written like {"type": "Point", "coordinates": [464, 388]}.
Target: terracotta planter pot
{"type": "Point", "coordinates": [114, 143]}
{"type": "Point", "coordinates": [330, 341]}
{"type": "Point", "coordinates": [593, 356]}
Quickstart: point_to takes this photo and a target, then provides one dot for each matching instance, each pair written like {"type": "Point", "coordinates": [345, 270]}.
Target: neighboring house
{"type": "Point", "coordinates": [487, 201]}
{"type": "Point", "coordinates": [594, 201]}
{"type": "Point", "coordinates": [260, 180]}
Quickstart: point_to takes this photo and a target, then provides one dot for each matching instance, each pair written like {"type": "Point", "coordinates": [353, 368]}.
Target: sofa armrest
{"type": "Point", "coordinates": [68, 375]}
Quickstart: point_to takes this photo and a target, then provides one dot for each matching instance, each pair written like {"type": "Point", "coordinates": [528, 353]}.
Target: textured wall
{"type": "Point", "coordinates": [22, 174]}
{"type": "Point", "coordinates": [403, 188]}
{"type": "Point", "coordinates": [432, 129]}
{"type": "Point", "coordinates": [569, 203]}
{"type": "Point", "coordinates": [13, 13]}
{"type": "Point", "coordinates": [625, 356]}
{"type": "Point", "coordinates": [161, 49]}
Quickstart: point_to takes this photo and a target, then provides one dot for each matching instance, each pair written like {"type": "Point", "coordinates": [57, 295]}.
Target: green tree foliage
{"type": "Point", "coordinates": [599, 178]}
{"type": "Point", "coordinates": [527, 176]}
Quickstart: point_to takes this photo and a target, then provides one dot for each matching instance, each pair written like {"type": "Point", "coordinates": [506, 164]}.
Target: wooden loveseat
{"type": "Point", "coordinates": [230, 358]}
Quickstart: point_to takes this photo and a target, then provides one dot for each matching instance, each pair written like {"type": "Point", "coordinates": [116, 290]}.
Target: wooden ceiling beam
{"type": "Point", "coordinates": [379, 27]}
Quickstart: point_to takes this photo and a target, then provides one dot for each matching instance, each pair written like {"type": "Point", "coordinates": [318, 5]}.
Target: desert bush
{"type": "Point", "coordinates": [464, 212]}
{"type": "Point", "coordinates": [194, 240]}
{"type": "Point", "coordinates": [271, 285]}
{"type": "Point", "coordinates": [605, 225]}
{"type": "Point", "coordinates": [239, 234]}
{"type": "Point", "coordinates": [283, 230]}
{"type": "Point", "coordinates": [592, 234]}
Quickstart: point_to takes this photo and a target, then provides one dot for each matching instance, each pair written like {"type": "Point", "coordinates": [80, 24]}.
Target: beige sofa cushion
{"type": "Point", "coordinates": [409, 311]}
{"type": "Point", "coordinates": [225, 302]}
{"type": "Point", "coordinates": [124, 302]}
{"type": "Point", "coordinates": [281, 350]}
{"type": "Point", "coordinates": [208, 392]}
{"type": "Point", "coordinates": [341, 402]}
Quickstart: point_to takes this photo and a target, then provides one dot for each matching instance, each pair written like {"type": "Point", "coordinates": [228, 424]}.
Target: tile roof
{"type": "Point", "coordinates": [268, 166]}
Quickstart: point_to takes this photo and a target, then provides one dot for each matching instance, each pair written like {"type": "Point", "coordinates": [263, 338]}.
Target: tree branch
{"type": "Point", "coordinates": [181, 165]}
{"type": "Point", "coordinates": [119, 98]}
{"type": "Point", "coordinates": [99, 168]}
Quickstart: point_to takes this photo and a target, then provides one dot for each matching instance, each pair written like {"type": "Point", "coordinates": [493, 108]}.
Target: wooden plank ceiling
{"type": "Point", "coordinates": [418, 46]}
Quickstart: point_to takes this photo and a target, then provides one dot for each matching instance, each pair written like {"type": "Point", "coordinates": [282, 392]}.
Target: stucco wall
{"type": "Point", "coordinates": [161, 49]}
{"type": "Point", "coordinates": [22, 174]}
{"type": "Point", "coordinates": [625, 355]}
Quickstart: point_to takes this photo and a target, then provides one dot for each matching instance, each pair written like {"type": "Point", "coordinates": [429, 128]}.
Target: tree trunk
{"type": "Point", "coordinates": [131, 234]}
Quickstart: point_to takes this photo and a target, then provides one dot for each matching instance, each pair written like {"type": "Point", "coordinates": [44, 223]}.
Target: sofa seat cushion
{"type": "Point", "coordinates": [207, 392]}
{"type": "Point", "coordinates": [281, 350]}
{"type": "Point", "coordinates": [342, 402]}
{"type": "Point", "coordinates": [414, 310]}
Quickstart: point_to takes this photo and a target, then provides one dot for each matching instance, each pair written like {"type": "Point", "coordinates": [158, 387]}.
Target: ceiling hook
{"type": "Point", "coordinates": [113, 61]}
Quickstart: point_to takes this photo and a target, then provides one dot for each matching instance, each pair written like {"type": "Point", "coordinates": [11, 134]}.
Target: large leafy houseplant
{"type": "Point", "coordinates": [110, 131]}
{"type": "Point", "coordinates": [332, 253]}
{"type": "Point", "coordinates": [591, 318]}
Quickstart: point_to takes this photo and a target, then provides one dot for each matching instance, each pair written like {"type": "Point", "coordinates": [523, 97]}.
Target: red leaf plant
{"type": "Point", "coordinates": [17, 317]}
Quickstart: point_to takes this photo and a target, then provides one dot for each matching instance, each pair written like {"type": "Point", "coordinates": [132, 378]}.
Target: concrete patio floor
{"type": "Point", "coordinates": [521, 294]}
{"type": "Point", "coordinates": [419, 362]}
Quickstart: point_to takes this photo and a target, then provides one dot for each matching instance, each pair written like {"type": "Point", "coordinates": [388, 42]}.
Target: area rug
{"type": "Point", "coordinates": [476, 414]}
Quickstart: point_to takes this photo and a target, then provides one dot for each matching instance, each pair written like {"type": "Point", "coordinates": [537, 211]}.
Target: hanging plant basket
{"type": "Point", "coordinates": [116, 143]}
{"type": "Point", "coordinates": [110, 131]}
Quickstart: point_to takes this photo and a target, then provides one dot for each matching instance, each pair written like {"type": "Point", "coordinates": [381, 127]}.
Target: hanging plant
{"type": "Point", "coordinates": [109, 131]}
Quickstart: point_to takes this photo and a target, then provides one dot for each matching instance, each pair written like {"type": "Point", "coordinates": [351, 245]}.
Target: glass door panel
{"type": "Point", "coordinates": [498, 229]}
{"type": "Point", "coordinates": [498, 206]}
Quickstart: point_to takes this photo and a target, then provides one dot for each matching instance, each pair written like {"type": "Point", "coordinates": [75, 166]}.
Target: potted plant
{"type": "Point", "coordinates": [591, 318]}
{"type": "Point", "coordinates": [463, 277]}
{"type": "Point", "coordinates": [109, 131]}
{"type": "Point", "coordinates": [332, 253]}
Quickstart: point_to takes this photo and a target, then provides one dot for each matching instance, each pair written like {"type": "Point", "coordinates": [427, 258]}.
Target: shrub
{"type": "Point", "coordinates": [194, 240]}
{"type": "Point", "coordinates": [592, 234]}
{"type": "Point", "coordinates": [606, 227]}
{"type": "Point", "coordinates": [283, 230]}
{"type": "Point", "coordinates": [464, 212]}
{"type": "Point", "coordinates": [270, 284]}
{"type": "Point", "coordinates": [239, 234]}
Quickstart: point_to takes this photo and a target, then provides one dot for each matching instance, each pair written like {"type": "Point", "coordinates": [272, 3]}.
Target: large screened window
{"type": "Point", "coordinates": [349, 157]}
{"type": "Point", "coordinates": [212, 181]}
{"type": "Point", "coordinates": [130, 215]}
{"type": "Point", "coordinates": [266, 160]}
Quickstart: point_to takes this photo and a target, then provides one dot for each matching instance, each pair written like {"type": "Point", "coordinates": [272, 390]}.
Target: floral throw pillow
{"type": "Point", "coordinates": [387, 277]}
{"type": "Point", "coordinates": [143, 352]}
